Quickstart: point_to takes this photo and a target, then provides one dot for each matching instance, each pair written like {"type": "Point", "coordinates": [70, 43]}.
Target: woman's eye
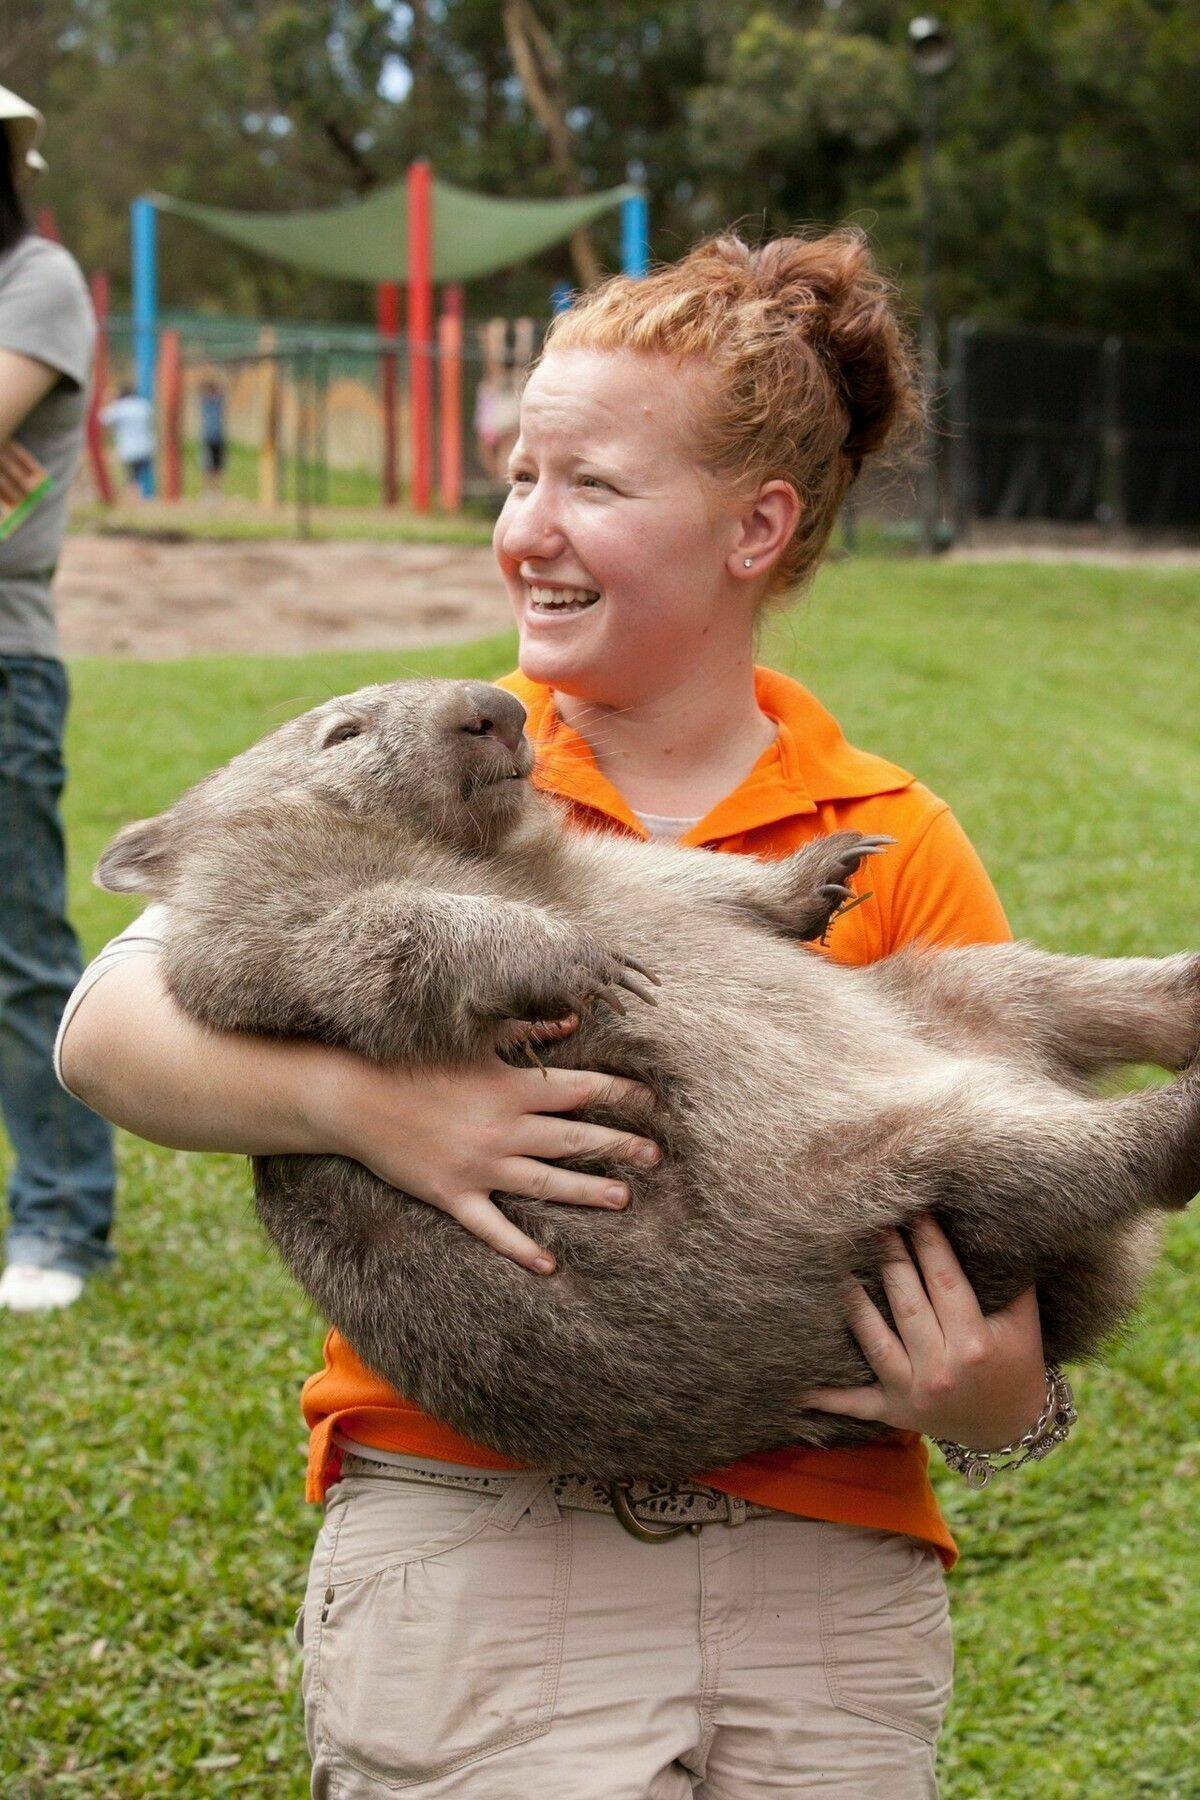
{"type": "Point", "coordinates": [518, 477]}
{"type": "Point", "coordinates": [593, 481]}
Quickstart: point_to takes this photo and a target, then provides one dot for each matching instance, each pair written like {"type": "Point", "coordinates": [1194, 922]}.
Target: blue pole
{"type": "Point", "coordinates": [562, 294]}
{"type": "Point", "coordinates": [144, 234]}
{"type": "Point", "coordinates": [635, 234]}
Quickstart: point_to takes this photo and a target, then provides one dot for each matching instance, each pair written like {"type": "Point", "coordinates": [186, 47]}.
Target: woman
{"type": "Point", "coordinates": [61, 1194]}
{"type": "Point", "coordinates": [472, 1629]}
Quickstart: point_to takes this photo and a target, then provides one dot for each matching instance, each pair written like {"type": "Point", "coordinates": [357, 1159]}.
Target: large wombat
{"type": "Point", "coordinates": [380, 874]}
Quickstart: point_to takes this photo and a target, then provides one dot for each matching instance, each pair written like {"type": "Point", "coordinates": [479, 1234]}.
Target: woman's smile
{"type": "Point", "coordinates": [554, 602]}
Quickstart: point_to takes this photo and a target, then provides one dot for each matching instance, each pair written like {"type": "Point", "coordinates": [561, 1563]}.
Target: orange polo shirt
{"type": "Point", "coordinates": [931, 887]}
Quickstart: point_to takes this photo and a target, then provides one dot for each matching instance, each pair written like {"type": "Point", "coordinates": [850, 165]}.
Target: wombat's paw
{"type": "Point", "coordinates": [819, 876]}
{"type": "Point", "coordinates": [578, 975]}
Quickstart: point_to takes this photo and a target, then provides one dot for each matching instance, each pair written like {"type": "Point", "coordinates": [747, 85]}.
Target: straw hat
{"type": "Point", "coordinates": [24, 124]}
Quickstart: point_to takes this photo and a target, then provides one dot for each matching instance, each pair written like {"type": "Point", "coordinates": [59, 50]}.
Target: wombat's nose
{"type": "Point", "coordinates": [490, 712]}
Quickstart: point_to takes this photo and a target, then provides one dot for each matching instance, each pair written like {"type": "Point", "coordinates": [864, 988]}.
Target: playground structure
{"type": "Point", "coordinates": [426, 406]}
{"type": "Point", "coordinates": [1087, 435]}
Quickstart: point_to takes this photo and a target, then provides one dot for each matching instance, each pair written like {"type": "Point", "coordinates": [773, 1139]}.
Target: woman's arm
{"type": "Point", "coordinates": [23, 382]}
{"type": "Point", "coordinates": [450, 1138]}
{"type": "Point", "coordinates": [946, 1370]}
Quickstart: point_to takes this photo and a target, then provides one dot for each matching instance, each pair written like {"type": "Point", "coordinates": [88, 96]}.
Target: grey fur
{"type": "Point", "coordinates": [379, 874]}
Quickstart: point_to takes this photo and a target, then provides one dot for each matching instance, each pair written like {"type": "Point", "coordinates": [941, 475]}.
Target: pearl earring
{"type": "Point", "coordinates": [749, 561]}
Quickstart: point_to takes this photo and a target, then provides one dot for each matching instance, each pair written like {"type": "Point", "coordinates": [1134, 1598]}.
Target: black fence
{"type": "Point", "coordinates": [1072, 429]}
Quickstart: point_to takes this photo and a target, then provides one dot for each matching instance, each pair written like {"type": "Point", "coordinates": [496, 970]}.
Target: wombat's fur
{"type": "Point", "coordinates": [379, 874]}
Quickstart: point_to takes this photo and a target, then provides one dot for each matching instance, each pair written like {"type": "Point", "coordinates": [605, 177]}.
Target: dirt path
{"type": "Point", "coordinates": [127, 596]}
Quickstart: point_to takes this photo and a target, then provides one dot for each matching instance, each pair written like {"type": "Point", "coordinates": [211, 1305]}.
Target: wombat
{"type": "Point", "coordinates": [380, 874]}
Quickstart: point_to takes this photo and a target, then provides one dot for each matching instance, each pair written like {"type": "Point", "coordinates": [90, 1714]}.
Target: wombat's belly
{"type": "Point", "coordinates": [674, 1335]}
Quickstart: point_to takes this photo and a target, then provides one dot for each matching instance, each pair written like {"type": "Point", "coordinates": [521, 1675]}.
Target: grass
{"type": "Point", "coordinates": [158, 1540]}
{"type": "Point", "coordinates": [350, 508]}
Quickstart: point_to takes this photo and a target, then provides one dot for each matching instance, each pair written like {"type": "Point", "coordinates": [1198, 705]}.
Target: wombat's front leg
{"type": "Point", "coordinates": [804, 893]}
{"type": "Point", "coordinates": [401, 974]}
{"type": "Point", "coordinates": [798, 895]}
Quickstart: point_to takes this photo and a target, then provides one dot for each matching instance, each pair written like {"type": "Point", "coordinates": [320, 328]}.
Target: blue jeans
{"type": "Point", "coordinates": [61, 1195]}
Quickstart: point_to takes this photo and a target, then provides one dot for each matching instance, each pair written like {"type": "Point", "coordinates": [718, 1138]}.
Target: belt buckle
{"type": "Point", "coordinates": [618, 1496]}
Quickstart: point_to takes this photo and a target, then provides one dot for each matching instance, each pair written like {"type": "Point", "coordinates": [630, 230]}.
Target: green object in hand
{"type": "Point", "coordinates": [16, 518]}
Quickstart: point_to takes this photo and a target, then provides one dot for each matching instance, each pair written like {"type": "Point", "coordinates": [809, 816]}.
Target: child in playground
{"type": "Point", "coordinates": [130, 418]}
{"type": "Point", "coordinates": [61, 1192]}
{"type": "Point", "coordinates": [212, 435]}
{"type": "Point", "coordinates": [472, 1628]}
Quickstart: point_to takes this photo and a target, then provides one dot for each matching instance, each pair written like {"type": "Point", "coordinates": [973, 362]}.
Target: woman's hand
{"type": "Point", "coordinates": [20, 473]}
{"type": "Point", "coordinates": [951, 1372]}
{"type": "Point", "coordinates": [454, 1137]}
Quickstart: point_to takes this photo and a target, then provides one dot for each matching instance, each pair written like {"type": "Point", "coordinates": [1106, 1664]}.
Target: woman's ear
{"type": "Point", "coordinates": [139, 859]}
{"type": "Point", "coordinates": [765, 530]}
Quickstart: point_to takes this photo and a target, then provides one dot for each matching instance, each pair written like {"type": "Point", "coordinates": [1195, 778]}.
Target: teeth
{"type": "Point", "coordinates": [547, 599]}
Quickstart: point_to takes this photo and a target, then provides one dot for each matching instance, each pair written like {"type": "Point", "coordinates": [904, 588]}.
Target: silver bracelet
{"type": "Point", "coordinates": [1058, 1416]}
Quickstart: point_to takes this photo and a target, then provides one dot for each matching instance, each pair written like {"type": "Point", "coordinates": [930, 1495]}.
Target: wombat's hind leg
{"type": "Point", "coordinates": [1076, 1015]}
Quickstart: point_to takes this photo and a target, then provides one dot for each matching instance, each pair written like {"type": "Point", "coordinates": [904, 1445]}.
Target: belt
{"type": "Point", "coordinates": [651, 1511]}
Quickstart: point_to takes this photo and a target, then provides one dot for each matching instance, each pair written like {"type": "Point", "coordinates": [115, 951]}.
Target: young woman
{"type": "Point", "coordinates": [61, 1194]}
{"type": "Point", "coordinates": [472, 1628]}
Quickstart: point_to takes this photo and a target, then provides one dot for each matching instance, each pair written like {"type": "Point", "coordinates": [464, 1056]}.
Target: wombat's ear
{"type": "Point", "coordinates": [138, 860]}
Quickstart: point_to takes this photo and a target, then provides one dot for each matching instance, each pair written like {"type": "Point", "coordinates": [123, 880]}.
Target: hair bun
{"type": "Point", "coordinates": [829, 291]}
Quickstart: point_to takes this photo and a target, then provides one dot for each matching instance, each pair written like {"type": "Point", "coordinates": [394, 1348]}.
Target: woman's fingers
{"type": "Point", "coordinates": [570, 1090]}
{"type": "Point", "coordinates": [547, 1135]}
{"type": "Point", "coordinates": [23, 463]}
{"type": "Point", "coordinates": [543, 1181]}
{"type": "Point", "coordinates": [916, 1320]}
{"type": "Point", "coordinates": [479, 1214]}
{"type": "Point", "coordinates": [950, 1293]}
{"type": "Point", "coordinates": [877, 1341]}
{"type": "Point", "coordinates": [856, 1403]}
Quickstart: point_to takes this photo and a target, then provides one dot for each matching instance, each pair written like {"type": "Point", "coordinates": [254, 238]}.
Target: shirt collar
{"type": "Point", "coordinates": [809, 762]}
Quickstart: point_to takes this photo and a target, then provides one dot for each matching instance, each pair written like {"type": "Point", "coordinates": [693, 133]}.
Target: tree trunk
{"type": "Point", "coordinates": [539, 70]}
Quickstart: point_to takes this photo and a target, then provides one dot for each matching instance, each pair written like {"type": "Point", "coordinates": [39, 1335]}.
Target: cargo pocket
{"type": "Point", "coordinates": [885, 1629]}
{"type": "Point", "coordinates": [440, 1631]}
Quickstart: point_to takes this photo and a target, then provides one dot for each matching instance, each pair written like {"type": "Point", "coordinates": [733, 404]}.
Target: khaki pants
{"type": "Point", "coordinates": [502, 1648]}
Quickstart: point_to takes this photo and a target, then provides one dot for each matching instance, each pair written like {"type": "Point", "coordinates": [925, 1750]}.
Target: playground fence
{"type": "Point", "coordinates": [322, 417]}
{"type": "Point", "coordinates": [1089, 435]}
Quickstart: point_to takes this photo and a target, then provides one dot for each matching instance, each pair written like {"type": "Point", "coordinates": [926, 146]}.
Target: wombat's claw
{"type": "Point", "coordinates": [642, 993]}
{"type": "Point", "coordinates": [858, 900]}
{"type": "Point", "coordinates": [631, 962]}
{"type": "Point", "coordinates": [856, 853]}
{"type": "Point", "coordinates": [531, 1055]}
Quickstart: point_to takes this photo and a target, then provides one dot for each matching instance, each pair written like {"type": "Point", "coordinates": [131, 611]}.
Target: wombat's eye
{"type": "Point", "coordinates": [338, 734]}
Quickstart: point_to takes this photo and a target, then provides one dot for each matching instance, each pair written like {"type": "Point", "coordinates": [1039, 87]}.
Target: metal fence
{"type": "Point", "coordinates": [316, 417]}
{"type": "Point", "coordinates": [1072, 429]}
{"type": "Point", "coordinates": [1037, 426]}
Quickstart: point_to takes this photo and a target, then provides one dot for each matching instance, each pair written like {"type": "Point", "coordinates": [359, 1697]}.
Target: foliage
{"type": "Point", "coordinates": [152, 1479]}
{"type": "Point", "coordinates": [1067, 174]}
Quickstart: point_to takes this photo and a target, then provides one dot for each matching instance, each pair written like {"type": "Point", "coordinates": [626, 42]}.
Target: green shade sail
{"type": "Point", "coordinates": [367, 240]}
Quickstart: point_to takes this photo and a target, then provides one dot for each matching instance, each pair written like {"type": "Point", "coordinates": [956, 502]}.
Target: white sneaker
{"type": "Point", "coordinates": [26, 1288]}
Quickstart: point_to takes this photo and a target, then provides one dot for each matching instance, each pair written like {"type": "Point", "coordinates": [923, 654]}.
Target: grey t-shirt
{"type": "Point", "coordinates": [46, 313]}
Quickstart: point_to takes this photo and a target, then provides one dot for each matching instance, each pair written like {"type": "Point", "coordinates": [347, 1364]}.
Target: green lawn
{"type": "Point", "coordinates": [348, 507]}
{"type": "Point", "coordinates": [157, 1538]}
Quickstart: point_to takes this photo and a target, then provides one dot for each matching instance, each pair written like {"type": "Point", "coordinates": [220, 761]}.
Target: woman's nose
{"type": "Point", "coordinates": [528, 527]}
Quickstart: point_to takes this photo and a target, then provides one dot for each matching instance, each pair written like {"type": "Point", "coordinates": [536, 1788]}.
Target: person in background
{"type": "Point", "coordinates": [61, 1194]}
{"type": "Point", "coordinates": [130, 418]}
{"type": "Point", "coordinates": [212, 435]}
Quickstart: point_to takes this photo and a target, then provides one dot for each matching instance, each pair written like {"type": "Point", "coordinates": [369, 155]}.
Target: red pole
{"type": "Point", "coordinates": [95, 431]}
{"type": "Point", "coordinates": [420, 330]}
{"type": "Point", "coordinates": [170, 387]}
{"type": "Point", "coordinates": [450, 441]}
{"type": "Point", "coordinates": [387, 323]}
